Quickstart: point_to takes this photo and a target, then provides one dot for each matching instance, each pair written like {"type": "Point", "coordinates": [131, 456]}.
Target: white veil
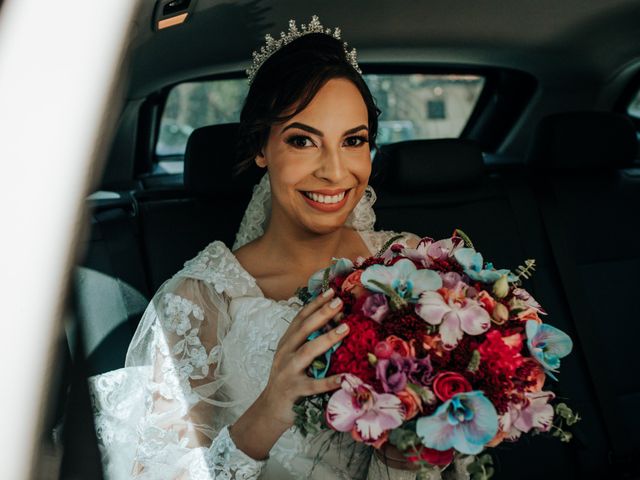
{"type": "Point", "coordinates": [256, 216]}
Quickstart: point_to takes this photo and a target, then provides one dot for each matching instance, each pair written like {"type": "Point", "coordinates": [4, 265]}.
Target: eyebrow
{"type": "Point", "coordinates": [315, 131]}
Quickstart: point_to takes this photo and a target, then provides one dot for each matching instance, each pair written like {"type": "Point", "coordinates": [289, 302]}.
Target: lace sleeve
{"type": "Point", "coordinates": [165, 415]}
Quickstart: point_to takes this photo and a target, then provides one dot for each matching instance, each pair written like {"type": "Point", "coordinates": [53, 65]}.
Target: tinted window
{"type": "Point", "coordinates": [413, 106]}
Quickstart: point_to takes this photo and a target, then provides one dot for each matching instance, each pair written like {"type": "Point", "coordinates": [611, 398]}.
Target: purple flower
{"type": "Point", "coordinates": [393, 372]}
{"type": "Point", "coordinates": [376, 307]}
{"type": "Point", "coordinates": [422, 372]}
{"type": "Point", "coordinates": [450, 279]}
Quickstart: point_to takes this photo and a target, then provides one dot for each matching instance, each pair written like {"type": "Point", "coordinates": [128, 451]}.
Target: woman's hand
{"type": "Point", "coordinates": [272, 414]}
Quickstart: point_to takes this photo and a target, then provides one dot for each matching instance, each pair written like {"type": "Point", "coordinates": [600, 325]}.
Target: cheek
{"type": "Point", "coordinates": [361, 168]}
{"type": "Point", "coordinates": [287, 168]}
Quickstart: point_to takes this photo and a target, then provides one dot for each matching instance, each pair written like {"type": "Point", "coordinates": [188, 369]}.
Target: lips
{"type": "Point", "coordinates": [326, 200]}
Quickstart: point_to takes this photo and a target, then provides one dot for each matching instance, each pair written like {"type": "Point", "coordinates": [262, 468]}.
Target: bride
{"type": "Point", "coordinates": [219, 358]}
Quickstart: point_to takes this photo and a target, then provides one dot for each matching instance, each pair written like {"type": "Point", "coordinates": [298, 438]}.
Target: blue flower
{"type": "Point", "coordinates": [547, 345]}
{"type": "Point", "coordinates": [318, 368]}
{"type": "Point", "coordinates": [466, 422]}
{"type": "Point", "coordinates": [472, 263]}
{"type": "Point", "coordinates": [402, 277]}
{"type": "Point", "coordinates": [339, 266]}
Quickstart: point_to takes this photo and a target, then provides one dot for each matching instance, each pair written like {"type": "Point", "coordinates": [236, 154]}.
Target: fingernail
{"type": "Point", "coordinates": [327, 293]}
{"type": "Point", "coordinates": [342, 328]}
{"type": "Point", "coordinates": [335, 302]}
{"type": "Point", "coordinates": [338, 380]}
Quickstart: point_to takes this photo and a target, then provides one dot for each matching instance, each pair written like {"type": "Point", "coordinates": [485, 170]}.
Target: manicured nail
{"type": "Point", "coordinates": [338, 380]}
{"type": "Point", "coordinates": [342, 328]}
{"type": "Point", "coordinates": [327, 293]}
{"type": "Point", "coordinates": [335, 302]}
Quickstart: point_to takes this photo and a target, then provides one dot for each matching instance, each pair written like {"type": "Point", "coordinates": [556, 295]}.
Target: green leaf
{"type": "Point", "coordinates": [474, 362]}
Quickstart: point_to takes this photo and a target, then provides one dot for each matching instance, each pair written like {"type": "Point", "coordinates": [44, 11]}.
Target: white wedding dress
{"type": "Point", "coordinates": [199, 358]}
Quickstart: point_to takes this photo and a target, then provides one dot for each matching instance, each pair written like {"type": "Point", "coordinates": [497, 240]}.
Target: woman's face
{"type": "Point", "coordinates": [319, 161]}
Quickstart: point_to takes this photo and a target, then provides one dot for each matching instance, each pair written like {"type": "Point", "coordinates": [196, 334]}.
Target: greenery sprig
{"type": "Point", "coordinates": [310, 418]}
{"type": "Point", "coordinates": [481, 468]}
{"type": "Point", "coordinates": [564, 417]}
{"type": "Point", "coordinates": [467, 241]}
{"type": "Point", "coordinates": [387, 244]}
{"type": "Point", "coordinates": [527, 270]}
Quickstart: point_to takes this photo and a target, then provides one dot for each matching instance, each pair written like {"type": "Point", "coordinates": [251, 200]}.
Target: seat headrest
{"type": "Point", "coordinates": [415, 165]}
{"type": "Point", "coordinates": [209, 159]}
{"type": "Point", "coordinates": [585, 140]}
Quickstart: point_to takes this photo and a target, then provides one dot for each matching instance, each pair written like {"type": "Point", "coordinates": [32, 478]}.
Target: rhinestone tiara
{"type": "Point", "coordinates": [272, 45]}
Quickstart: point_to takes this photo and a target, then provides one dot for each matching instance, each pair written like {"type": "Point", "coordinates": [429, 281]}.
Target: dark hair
{"type": "Point", "coordinates": [293, 76]}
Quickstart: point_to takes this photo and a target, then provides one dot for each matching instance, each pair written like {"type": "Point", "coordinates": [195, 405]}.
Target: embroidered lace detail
{"type": "Point", "coordinates": [362, 217]}
{"type": "Point", "coordinates": [225, 457]}
{"type": "Point", "coordinates": [212, 266]}
{"type": "Point", "coordinates": [256, 215]}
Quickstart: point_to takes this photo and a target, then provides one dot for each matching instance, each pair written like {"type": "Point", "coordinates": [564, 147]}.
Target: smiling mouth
{"type": "Point", "coordinates": [328, 201]}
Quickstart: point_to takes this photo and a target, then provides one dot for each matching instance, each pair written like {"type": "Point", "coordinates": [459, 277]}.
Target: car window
{"type": "Point", "coordinates": [414, 106]}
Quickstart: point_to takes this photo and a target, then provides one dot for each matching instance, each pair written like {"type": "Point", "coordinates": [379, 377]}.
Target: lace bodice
{"type": "Point", "coordinates": [200, 357]}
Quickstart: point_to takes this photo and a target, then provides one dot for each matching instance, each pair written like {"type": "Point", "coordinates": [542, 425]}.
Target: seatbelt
{"type": "Point", "coordinates": [622, 457]}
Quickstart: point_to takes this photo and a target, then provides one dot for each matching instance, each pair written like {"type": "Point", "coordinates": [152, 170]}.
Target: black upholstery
{"type": "Point", "coordinates": [598, 207]}
{"type": "Point", "coordinates": [177, 225]}
{"type": "Point", "coordinates": [584, 141]}
{"type": "Point", "coordinates": [417, 165]}
{"type": "Point", "coordinates": [209, 161]}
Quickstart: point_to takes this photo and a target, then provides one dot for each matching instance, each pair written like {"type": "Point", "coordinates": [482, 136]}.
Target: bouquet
{"type": "Point", "coordinates": [445, 356]}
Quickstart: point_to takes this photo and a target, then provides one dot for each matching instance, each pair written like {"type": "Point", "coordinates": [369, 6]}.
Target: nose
{"type": "Point", "coordinates": [332, 167]}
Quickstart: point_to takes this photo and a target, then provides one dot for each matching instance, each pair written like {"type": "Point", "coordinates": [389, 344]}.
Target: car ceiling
{"type": "Point", "coordinates": [557, 41]}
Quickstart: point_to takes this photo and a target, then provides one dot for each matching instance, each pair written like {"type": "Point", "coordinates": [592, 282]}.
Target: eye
{"type": "Point", "coordinates": [300, 141]}
{"type": "Point", "coordinates": [355, 141]}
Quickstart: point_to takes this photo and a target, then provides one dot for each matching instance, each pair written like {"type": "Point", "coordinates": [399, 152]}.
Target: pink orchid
{"type": "Point", "coordinates": [427, 250]}
{"type": "Point", "coordinates": [456, 314]}
{"type": "Point", "coordinates": [534, 413]}
{"type": "Point", "coordinates": [357, 406]}
{"type": "Point", "coordinates": [522, 294]}
{"type": "Point", "coordinates": [537, 413]}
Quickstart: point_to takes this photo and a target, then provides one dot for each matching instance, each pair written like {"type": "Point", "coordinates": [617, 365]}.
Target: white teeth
{"type": "Point", "coordinates": [317, 197]}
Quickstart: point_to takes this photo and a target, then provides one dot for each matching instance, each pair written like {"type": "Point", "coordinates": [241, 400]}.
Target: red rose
{"type": "Point", "coordinates": [434, 457]}
{"type": "Point", "coordinates": [448, 384]}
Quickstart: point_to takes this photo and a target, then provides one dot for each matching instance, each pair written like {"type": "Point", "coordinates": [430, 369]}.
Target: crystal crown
{"type": "Point", "coordinates": [273, 45]}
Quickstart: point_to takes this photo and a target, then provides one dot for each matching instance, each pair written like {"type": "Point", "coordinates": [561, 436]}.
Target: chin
{"type": "Point", "coordinates": [323, 227]}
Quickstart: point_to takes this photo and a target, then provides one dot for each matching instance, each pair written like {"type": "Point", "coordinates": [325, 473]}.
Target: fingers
{"type": "Point", "coordinates": [301, 318]}
{"type": "Point", "coordinates": [314, 305]}
{"type": "Point", "coordinates": [322, 385]}
{"type": "Point", "coordinates": [319, 345]}
{"type": "Point", "coordinates": [315, 321]}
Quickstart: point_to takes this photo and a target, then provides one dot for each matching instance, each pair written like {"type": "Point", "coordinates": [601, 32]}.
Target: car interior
{"type": "Point", "coordinates": [516, 122]}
